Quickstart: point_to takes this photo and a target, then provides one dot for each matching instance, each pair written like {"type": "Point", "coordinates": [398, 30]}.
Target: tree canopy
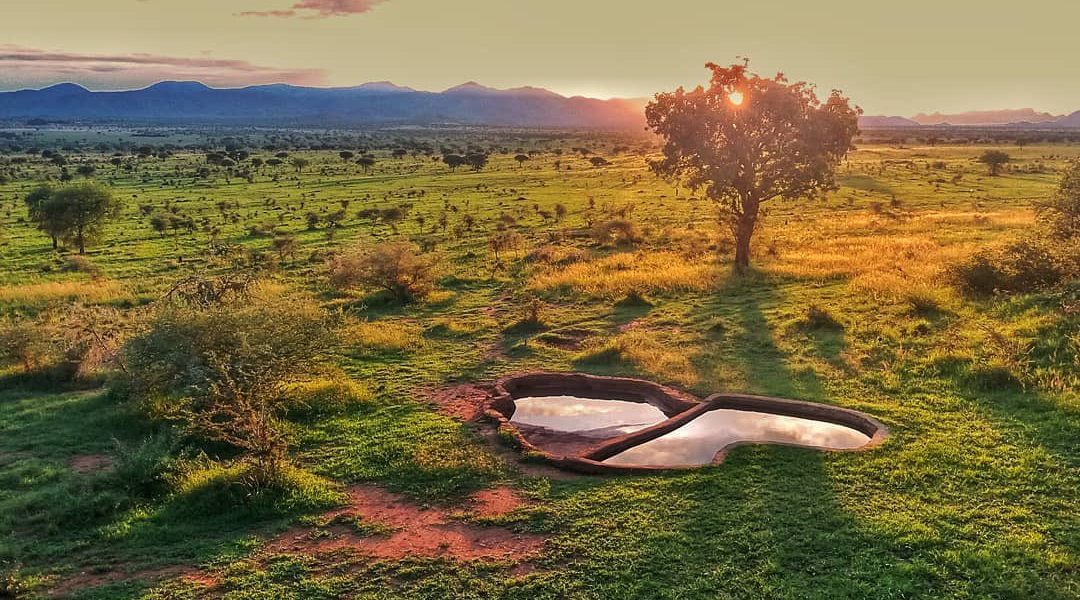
{"type": "Point", "coordinates": [747, 139]}
{"type": "Point", "coordinates": [75, 213]}
{"type": "Point", "coordinates": [994, 159]}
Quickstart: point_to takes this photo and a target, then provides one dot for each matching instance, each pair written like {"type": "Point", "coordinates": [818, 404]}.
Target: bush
{"type": "Point", "coordinates": [222, 370]}
{"type": "Point", "coordinates": [556, 255]}
{"type": "Point", "coordinates": [28, 344]}
{"type": "Point", "coordinates": [819, 318]}
{"type": "Point", "coordinates": [397, 267]}
{"type": "Point", "coordinates": [80, 264]}
{"type": "Point", "coordinates": [141, 469]}
{"type": "Point", "coordinates": [1024, 266]}
{"type": "Point", "coordinates": [1061, 215]}
{"type": "Point", "coordinates": [616, 231]}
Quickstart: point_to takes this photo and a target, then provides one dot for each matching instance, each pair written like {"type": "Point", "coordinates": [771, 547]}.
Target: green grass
{"type": "Point", "coordinates": [974, 495]}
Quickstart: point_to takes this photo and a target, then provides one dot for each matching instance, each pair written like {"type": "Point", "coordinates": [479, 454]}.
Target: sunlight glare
{"type": "Point", "coordinates": [736, 98]}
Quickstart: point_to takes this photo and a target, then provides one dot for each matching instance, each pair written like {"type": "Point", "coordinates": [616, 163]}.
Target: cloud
{"type": "Point", "coordinates": [20, 66]}
{"type": "Point", "coordinates": [318, 9]}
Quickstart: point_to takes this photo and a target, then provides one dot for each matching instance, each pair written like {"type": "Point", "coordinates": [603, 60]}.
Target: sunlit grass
{"type": "Point", "coordinates": [383, 336]}
{"type": "Point", "coordinates": [641, 272]}
{"type": "Point", "coordinates": [97, 291]}
{"type": "Point", "coordinates": [648, 353]}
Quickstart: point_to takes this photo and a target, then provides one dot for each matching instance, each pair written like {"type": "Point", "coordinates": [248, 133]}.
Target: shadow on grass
{"type": "Point", "coordinates": [766, 523]}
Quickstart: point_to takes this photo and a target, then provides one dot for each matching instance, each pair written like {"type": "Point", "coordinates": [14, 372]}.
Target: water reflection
{"type": "Point", "coordinates": [697, 442]}
{"type": "Point", "coordinates": [584, 415]}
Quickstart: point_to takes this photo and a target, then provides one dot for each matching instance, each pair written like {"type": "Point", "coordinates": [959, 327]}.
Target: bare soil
{"type": "Point", "coordinates": [415, 530]}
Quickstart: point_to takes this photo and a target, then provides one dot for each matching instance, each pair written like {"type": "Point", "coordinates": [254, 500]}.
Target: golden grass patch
{"type": "Point", "coordinates": [395, 336]}
{"type": "Point", "coordinates": [641, 272]}
{"type": "Point", "coordinates": [100, 290]}
{"type": "Point", "coordinates": [642, 349]}
{"type": "Point", "coordinates": [886, 258]}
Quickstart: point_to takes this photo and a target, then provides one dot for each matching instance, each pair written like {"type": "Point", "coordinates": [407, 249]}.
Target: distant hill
{"type": "Point", "coordinates": [377, 103]}
{"type": "Point", "coordinates": [878, 121]}
{"type": "Point", "coordinates": [1072, 120]}
{"type": "Point", "coordinates": [384, 103]}
{"type": "Point", "coordinates": [1024, 118]}
{"type": "Point", "coordinates": [986, 117]}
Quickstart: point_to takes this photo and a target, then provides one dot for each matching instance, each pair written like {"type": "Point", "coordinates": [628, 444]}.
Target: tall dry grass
{"type": "Point", "coordinates": [648, 354]}
{"type": "Point", "coordinates": [641, 272]}
{"type": "Point", "coordinates": [889, 258]}
{"type": "Point", "coordinates": [96, 291]}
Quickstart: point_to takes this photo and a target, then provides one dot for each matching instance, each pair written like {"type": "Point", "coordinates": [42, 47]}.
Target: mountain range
{"type": "Point", "coordinates": [383, 103]}
{"type": "Point", "coordinates": [377, 103]}
{"type": "Point", "coordinates": [1021, 117]}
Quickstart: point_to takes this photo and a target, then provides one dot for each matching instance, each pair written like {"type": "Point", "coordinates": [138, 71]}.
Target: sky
{"type": "Point", "coordinates": [896, 58]}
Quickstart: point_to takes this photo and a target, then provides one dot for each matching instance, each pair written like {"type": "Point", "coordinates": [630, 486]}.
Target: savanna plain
{"type": "Point", "coordinates": [918, 291]}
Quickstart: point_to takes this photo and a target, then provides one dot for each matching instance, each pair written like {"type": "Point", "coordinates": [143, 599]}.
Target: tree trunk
{"type": "Point", "coordinates": [743, 232]}
{"type": "Point", "coordinates": [81, 241]}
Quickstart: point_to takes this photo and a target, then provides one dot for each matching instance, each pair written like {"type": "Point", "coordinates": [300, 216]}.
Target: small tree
{"type": "Point", "coordinates": [521, 158]}
{"type": "Point", "coordinates": [476, 160]}
{"type": "Point", "coordinates": [746, 140]}
{"type": "Point", "coordinates": [300, 163]}
{"type": "Point", "coordinates": [1061, 214]}
{"type": "Point", "coordinates": [397, 267]}
{"type": "Point", "coordinates": [222, 369]}
{"type": "Point", "coordinates": [49, 223]}
{"type": "Point", "coordinates": [994, 159]}
{"type": "Point", "coordinates": [77, 212]}
{"type": "Point", "coordinates": [504, 241]}
{"type": "Point", "coordinates": [453, 161]}
{"type": "Point", "coordinates": [285, 246]}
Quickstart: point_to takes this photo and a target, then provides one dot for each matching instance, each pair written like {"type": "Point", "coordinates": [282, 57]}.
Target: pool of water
{"type": "Point", "coordinates": [697, 442]}
{"type": "Point", "coordinates": [585, 416]}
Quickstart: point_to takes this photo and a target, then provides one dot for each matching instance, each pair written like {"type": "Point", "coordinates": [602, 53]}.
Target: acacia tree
{"type": "Point", "coordinates": [746, 140]}
{"type": "Point", "coordinates": [453, 161]}
{"type": "Point", "coordinates": [994, 159]}
{"type": "Point", "coordinates": [75, 213]}
{"type": "Point", "coordinates": [48, 223]}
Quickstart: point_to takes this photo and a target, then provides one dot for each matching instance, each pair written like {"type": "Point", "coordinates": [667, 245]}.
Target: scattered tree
{"type": "Point", "coordinates": [397, 267]}
{"type": "Point", "coordinates": [75, 213]}
{"type": "Point", "coordinates": [746, 140]}
{"type": "Point", "coordinates": [994, 159]}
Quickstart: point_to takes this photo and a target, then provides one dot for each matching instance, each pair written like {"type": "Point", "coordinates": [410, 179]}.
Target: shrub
{"type": "Point", "coordinates": [616, 231]}
{"type": "Point", "coordinates": [81, 264]}
{"type": "Point", "coordinates": [12, 584]}
{"type": "Point", "coordinates": [26, 343]}
{"type": "Point", "coordinates": [923, 302]}
{"type": "Point", "coordinates": [221, 370]}
{"type": "Point", "coordinates": [397, 267]}
{"type": "Point", "coordinates": [141, 469]}
{"type": "Point", "coordinates": [819, 318]}
{"type": "Point", "coordinates": [504, 241]}
{"type": "Point", "coordinates": [1023, 266]}
{"type": "Point", "coordinates": [1061, 215]}
{"type": "Point", "coordinates": [556, 255]}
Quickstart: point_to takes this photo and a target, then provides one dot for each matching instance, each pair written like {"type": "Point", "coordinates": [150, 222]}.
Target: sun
{"type": "Point", "coordinates": [736, 98]}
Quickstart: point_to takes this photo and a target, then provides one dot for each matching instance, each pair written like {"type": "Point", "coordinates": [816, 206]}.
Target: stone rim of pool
{"type": "Point", "coordinates": [586, 454]}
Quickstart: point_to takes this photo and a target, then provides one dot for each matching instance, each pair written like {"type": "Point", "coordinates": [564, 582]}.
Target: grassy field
{"type": "Point", "coordinates": [974, 495]}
